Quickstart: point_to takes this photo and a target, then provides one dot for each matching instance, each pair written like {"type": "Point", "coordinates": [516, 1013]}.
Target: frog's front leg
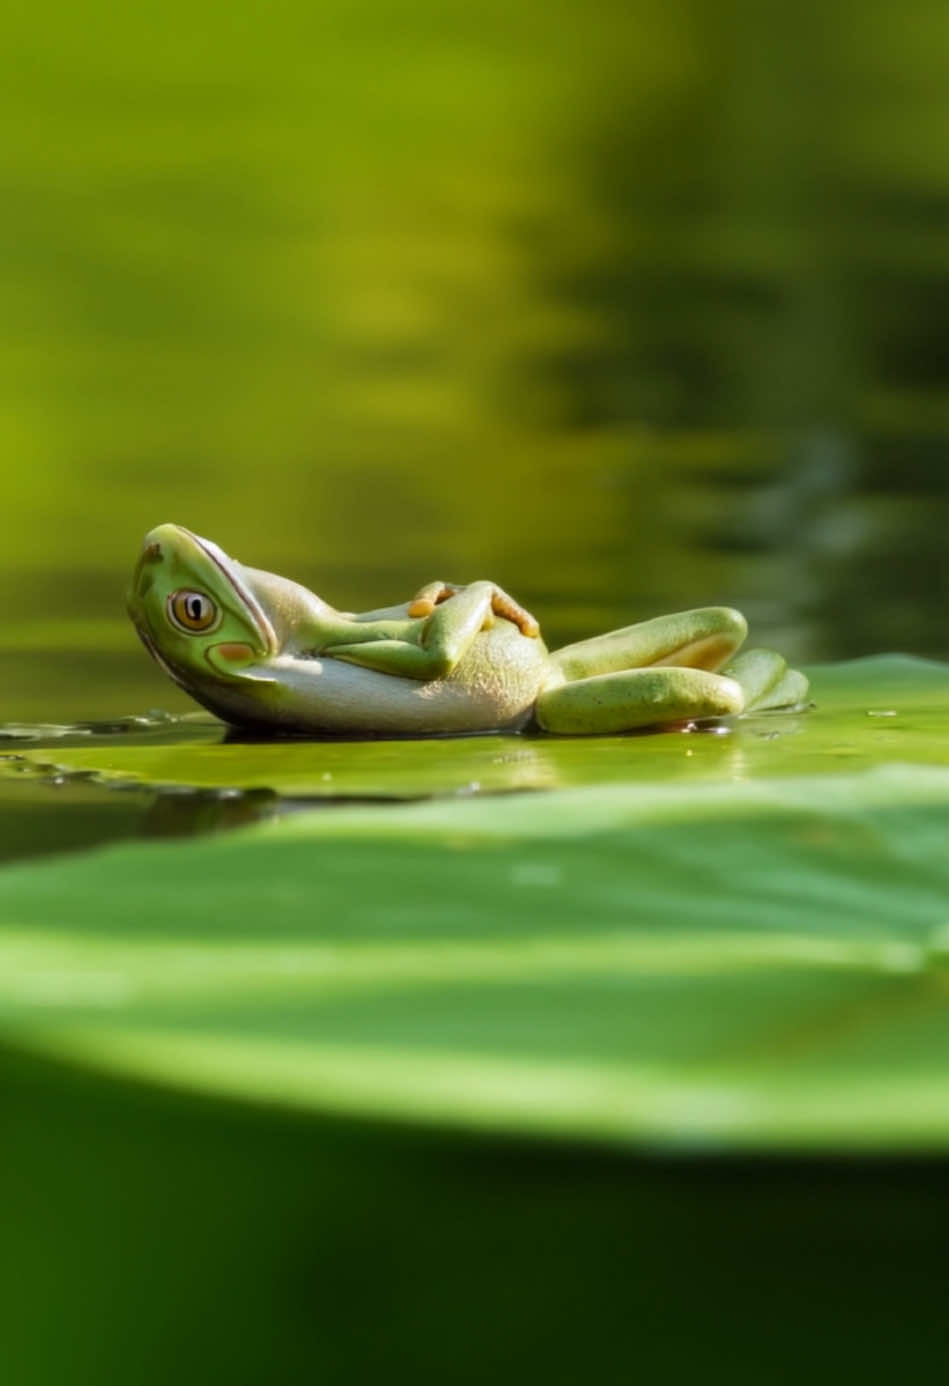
{"type": "Point", "coordinates": [442, 637]}
{"type": "Point", "coordinates": [664, 671]}
{"type": "Point", "coordinates": [433, 594]}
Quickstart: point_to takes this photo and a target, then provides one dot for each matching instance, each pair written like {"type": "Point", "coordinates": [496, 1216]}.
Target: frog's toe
{"type": "Point", "coordinates": [766, 681]}
{"type": "Point", "coordinates": [791, 691]}
{"type": "Point", "coordinates": [428, 597]}
{"type": "Point", "coordinates": [420, 607]}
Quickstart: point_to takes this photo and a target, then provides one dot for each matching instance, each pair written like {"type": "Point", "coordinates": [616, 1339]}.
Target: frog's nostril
{"type": "Point", "coordinates": [141, 581]}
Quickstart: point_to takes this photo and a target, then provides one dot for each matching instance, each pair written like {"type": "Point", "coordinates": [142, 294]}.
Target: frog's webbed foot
{"type": "Point", "coordinates": [502, 604]}
{"type": "Point", "coordinates": [766, 681]}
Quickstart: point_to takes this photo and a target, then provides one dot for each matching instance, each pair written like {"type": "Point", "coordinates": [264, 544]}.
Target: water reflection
{"type": "Point", "coordinates": [47, 811]}
{"type": "Point", "coordinates": [190, 812]}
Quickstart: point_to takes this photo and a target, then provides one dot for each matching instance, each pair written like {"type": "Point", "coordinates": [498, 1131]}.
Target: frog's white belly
{"type": "Point", "coordinates": [330, 695]}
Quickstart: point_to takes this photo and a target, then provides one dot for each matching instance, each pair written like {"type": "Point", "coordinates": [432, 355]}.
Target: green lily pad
{"type": "Point", "coordinates": [738, 941]}
{"type": "Point", "coordinates": [749, 965]}
{"type": "Point", "coordinates": [881, 709]}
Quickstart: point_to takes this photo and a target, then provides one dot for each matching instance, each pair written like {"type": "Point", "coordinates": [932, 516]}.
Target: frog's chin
{"type": "Point", "coordinates": [160, 659]}
{"type": "Point", "coordinates": [239, 668]}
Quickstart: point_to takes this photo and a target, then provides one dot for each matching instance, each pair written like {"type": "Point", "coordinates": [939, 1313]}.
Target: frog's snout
{"type": "Point", "coordinates": [164, 542]}
{"type": "Point", "coordinates": [141, 579]}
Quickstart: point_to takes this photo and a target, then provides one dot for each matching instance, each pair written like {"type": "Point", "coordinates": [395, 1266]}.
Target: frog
{"type": "Point", "coordinates": [263, 652]}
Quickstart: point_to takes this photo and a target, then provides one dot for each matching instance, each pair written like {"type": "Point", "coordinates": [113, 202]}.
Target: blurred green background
{"type": "Point", "coordinates": [628, 304]}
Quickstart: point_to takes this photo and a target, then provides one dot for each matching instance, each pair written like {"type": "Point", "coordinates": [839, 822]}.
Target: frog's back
{"type": "Point", "coordinates": [493, 687]}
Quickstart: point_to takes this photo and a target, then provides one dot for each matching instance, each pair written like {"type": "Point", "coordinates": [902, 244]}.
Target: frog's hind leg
{"type": "Point", "coordinates": [701, 639]}
{"type": "Point", "coordinates": [664, 671]}
{"type": "Point", "coordinates": [632, 698]}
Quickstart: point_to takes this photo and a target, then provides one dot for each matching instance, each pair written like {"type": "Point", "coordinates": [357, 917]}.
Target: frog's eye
{"type": "Point", "coordinates": [192, 611]}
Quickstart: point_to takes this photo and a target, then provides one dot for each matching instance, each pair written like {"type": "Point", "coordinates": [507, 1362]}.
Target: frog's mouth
{"type": "Point", "coordinates": [250, 603]}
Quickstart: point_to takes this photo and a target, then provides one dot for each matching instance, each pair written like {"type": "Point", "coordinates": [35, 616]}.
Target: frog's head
{"type": "Point", "coordinates": [197, 610]}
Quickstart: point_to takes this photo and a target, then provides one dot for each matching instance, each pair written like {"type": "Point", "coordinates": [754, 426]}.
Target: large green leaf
{"type": "Point", "coordinates": [749, 964]}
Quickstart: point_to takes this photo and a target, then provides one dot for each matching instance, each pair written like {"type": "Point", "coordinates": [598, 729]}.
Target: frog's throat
{"type": "Point", "coordinates": [159, 658]}
{"type": "Point", "coordinates": [228, 568]}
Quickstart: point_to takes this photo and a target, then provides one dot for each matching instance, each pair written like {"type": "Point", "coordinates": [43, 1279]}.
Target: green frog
{"type": "Point", "coordinates": [262, 651]}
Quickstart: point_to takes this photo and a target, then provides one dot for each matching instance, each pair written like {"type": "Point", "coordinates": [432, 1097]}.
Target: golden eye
{"type": "Point", "coordinates": [192, 611]}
